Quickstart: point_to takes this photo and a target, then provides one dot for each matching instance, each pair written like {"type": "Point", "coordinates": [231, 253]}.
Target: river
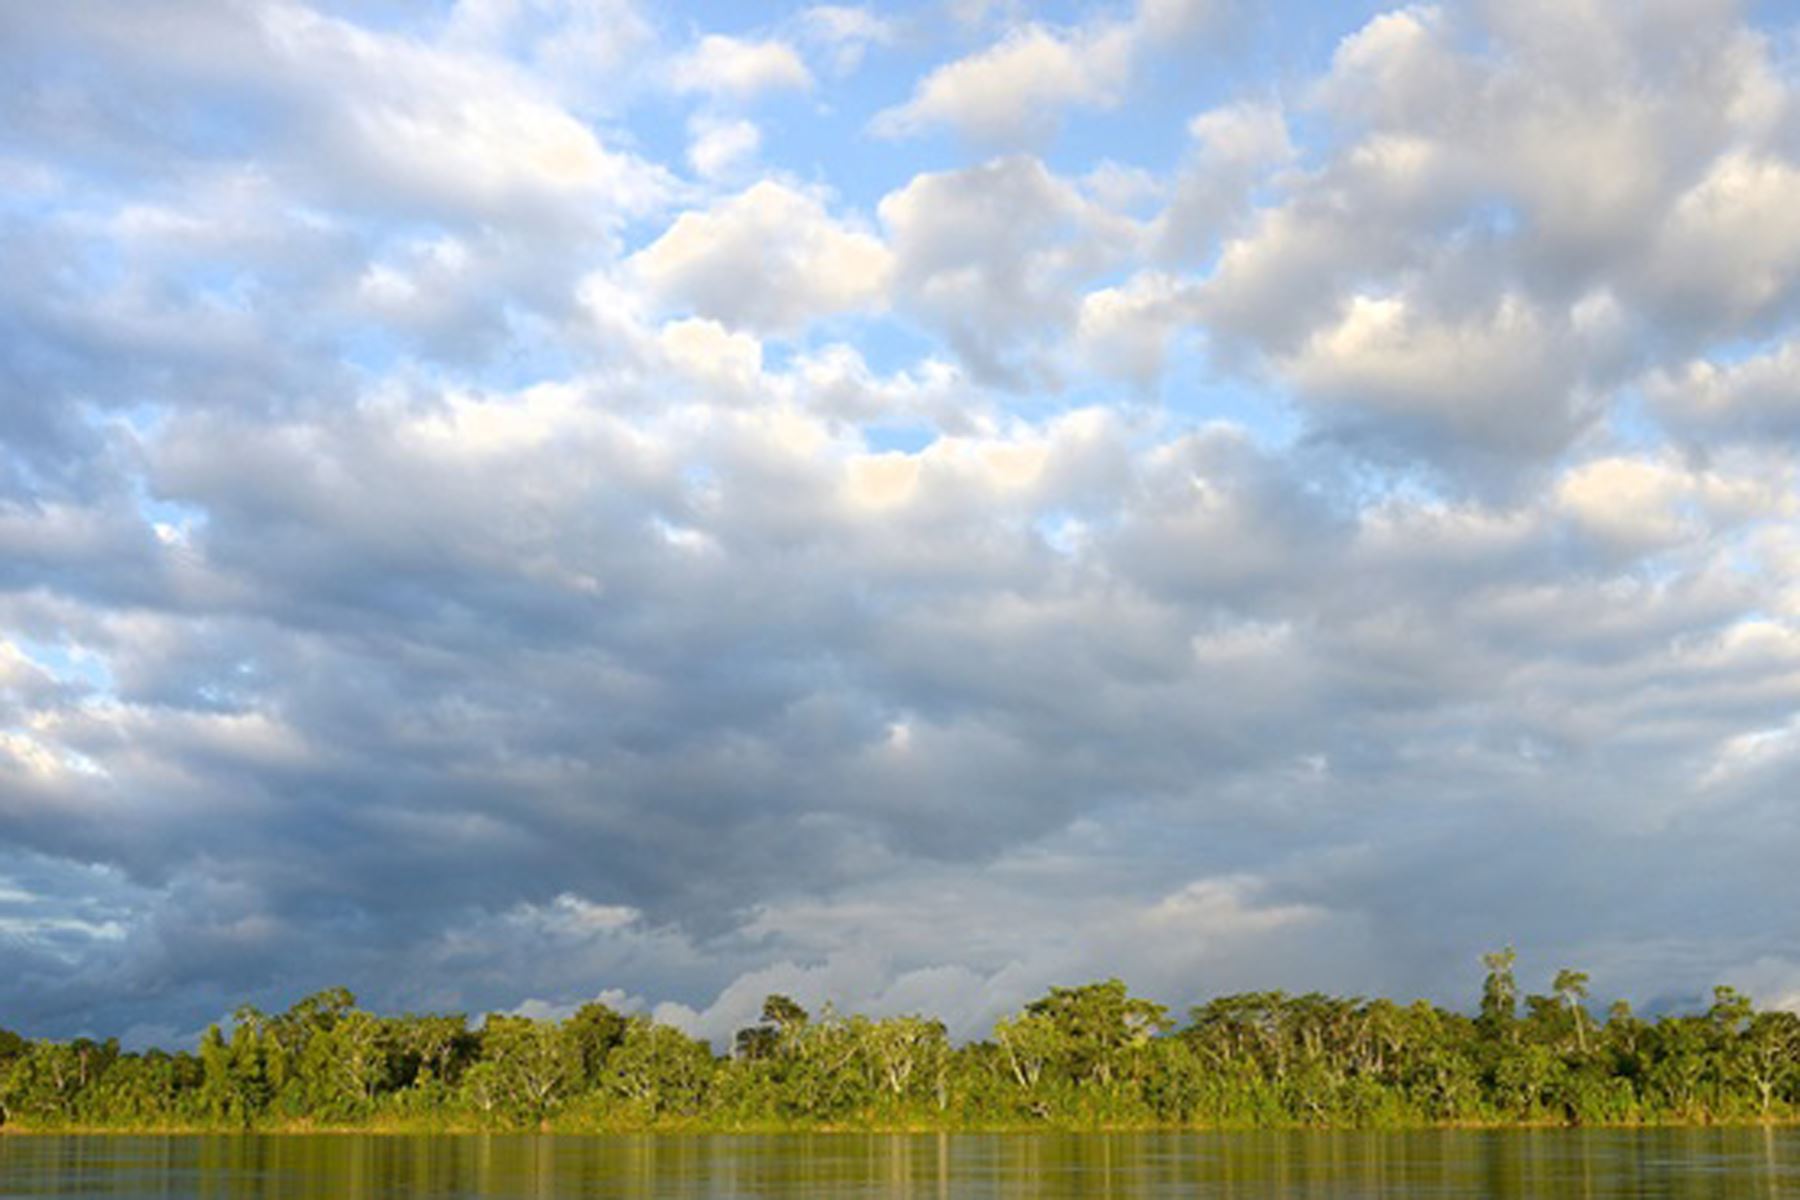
{"type": "Point", "coordinates": [1591, 1164]}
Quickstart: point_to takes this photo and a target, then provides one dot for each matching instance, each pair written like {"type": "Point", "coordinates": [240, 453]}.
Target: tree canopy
{"type": "Point", "coordinates": [1084, 1055]}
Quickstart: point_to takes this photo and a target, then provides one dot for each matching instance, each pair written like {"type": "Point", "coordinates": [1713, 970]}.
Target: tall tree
{"type": "Point", "coordinates": [1572, 988]}
{"type": "Point", "coordinates": [1499, 993]}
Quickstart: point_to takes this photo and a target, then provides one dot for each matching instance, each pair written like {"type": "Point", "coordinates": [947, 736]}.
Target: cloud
{"type": "Point", "coordinates": [770, 258]}
{"type": "Point", "coordinates": [585, 51]}
{"type": "Point", "coordinates": [1508, 378]}
{"type": "Point", "coordinates": [1207, 920]}
{"type": "Point", "coordinates": [736, 68]}
{"type": "Point", "coordinates": [1628, 500]}
{"type": "Point", "coordinates": [484, 526]}
{"type": "Point", "coordinates": [1126, 330]}
{"type": "Point", "coordinates": [1757, 397]}
{"type": "Point", "coordinates": [1234, 148]}
{"type": "Point", "coordinates": [1014, 91]}
{"type": "Point", "coordinates": [845, 33]}
{"type": "Point", "coordinates": [720, 148]}
{"type": "Point", "coordinates": [1553, 220]}
{"type": "Point", "coordinates": [1175, 19]}
{"type": "Point", "coordinates": [1727, 255]}
{"type": "Point", "coordinates": [991, 255]}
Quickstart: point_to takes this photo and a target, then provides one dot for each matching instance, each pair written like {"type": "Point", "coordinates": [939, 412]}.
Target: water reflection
{"type": "Point", "coordinates": [1718, 1164]}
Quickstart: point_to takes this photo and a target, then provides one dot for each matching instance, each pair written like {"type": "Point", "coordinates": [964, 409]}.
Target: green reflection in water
{"type": "Point", "coordinates": [1589, 1164]}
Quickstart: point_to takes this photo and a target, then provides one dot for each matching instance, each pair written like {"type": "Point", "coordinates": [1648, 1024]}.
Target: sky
{"type": "Point", "coordinates": [517, 501]}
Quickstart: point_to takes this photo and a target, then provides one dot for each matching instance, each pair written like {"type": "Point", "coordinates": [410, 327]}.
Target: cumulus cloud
{"type": "Point", "coordinates": [483, 521]}
{"type": "Point", "coordinates": [1197, 926]}
{"type": "Point", "coordinates": [1015, 91]}
{"type": "Point", "coordinates": [739, 68]}
{"type": "Point", "coordinates": [1727, 256]}
{"type": "Point", "coordinates": [582, 50]}
{"type": "Point", "coordinates": [719, 148]}
{"type": "Point", "coordinates": [1234, 149]}
{"type": "Point", "coordinates": [1507, 379]}
{"type": "Point", "coordinates": [1538, 181]}
{"type": "Point", "coordinates": [992, 254]}
{"type": "Point", "coordinates": [1126, 330]}
{"type": "Point", "coordinates": [770, 258]}
{"type": "Point", "coordinates": [1756, 397]}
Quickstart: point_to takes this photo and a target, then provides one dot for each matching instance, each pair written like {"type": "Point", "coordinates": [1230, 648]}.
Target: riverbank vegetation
{"type": "Point", "coordinates": [1089, 1056]}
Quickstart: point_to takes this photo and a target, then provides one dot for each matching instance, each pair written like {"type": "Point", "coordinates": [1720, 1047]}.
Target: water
{"type": "Point", "coordinates": [1713, 1163]}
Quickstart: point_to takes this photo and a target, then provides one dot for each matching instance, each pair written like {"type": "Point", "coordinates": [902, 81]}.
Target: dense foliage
{"type": "Point", "coordinates": [1080, 1056]}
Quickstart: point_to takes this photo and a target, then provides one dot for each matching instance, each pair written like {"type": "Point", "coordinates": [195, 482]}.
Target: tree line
{"type": "Point", "coordinates": [1086, 1056]}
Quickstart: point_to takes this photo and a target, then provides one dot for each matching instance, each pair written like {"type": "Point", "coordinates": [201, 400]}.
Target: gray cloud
{"type": "Point", "coordinates": [415, 572]}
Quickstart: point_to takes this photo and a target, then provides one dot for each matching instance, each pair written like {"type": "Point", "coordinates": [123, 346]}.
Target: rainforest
{"type": "Point", "coordinates": [1092, 1056]}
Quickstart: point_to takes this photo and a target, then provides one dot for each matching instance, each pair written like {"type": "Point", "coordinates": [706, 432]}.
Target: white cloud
{"type": "Point", "coordinates": [403, 118]}
{"type": "Point", "coordinates": [993, 254]}
{"type": "Point", "coordinates": [1394, 69]}
{"type": "Point", "coordinates": [770, 259]}
{"type": "Point", "coordinates": [1164, 21]}
{"type": "Point", "coordinates": [723, 362]}
{"type": "Point", "coordinates": [739, 69]}
{"type": "Point", "coordinates": [1752, 398]}
{"type": "Point", "coordinates": [1632, 501]}
{"type": "Point", "coordinates": [573, 917]}
{"type": "Point", "coordinates": [1729, 252]}
{"type": "Point", "coordinates": [1126, 330]}
{"type": "Point", "coordinates": [1507, 377]}
{"type": "Point", "coordinates": [845, 33]}
{"type": "Point", "coordinates": [1015, 90]}
{"type": "Point", "coordinates": [1484, 194]}
{"type": "Point", "coordinates": [1234, 149]}
{"type": "Point", "coordinates": [583, 50]}
{"type": "Point", "coordinates": [718, 148]}
{"type": "Point", "coordinates": [1755, 752]}
{"type": "Point", "coordinates": [1200, 924]}
{"type": "Point", "coordinates": [838, 382]}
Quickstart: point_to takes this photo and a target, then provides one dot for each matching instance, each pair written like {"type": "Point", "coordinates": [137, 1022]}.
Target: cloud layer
{"type": "Point", "coordinates": [544, 499]}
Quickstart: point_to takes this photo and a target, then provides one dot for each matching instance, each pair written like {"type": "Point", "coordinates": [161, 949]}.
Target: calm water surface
{"type": "Point", "coordinates": [1530, 1163]}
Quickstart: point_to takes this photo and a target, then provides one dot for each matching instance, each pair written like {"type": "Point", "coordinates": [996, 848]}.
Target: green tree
{"type": "Point", "coordinates": [352, 1060]}
{"type": "Point", "coordinates": [41, 1085]}
{"type": "Point", "coordinates": [1571, 987]}
{"type": "Point", "coordinates": [659, 1069]}
{"type": "Point", "coordinates": [1770, 1056]}
{"type": "Point", "coordinates": [1100, 1025]}
{"type": "Point", "coordinates": [596, 1031]}
{"type": "Point", "coordinates": [782, 1020]}
{"type": "Point", "coordinates": [1499, 993]}
{"type": "Point", "coordinates": [783, 1013]}
{"type": "Point", "coordinates": [1030, 1042]}
{"type": "Point", "coordinates": [826, 1070]}
{"type": "Point", "coordinates": [533, 1065]}
{"type": "Point", "coordinates": [906, 1050]}
{"type": "Point", "coordinates": [437, 1046]}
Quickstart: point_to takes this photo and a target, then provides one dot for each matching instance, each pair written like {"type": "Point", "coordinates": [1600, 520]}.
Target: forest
{"type": "Point", "coordinates": [1092, 1056]}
